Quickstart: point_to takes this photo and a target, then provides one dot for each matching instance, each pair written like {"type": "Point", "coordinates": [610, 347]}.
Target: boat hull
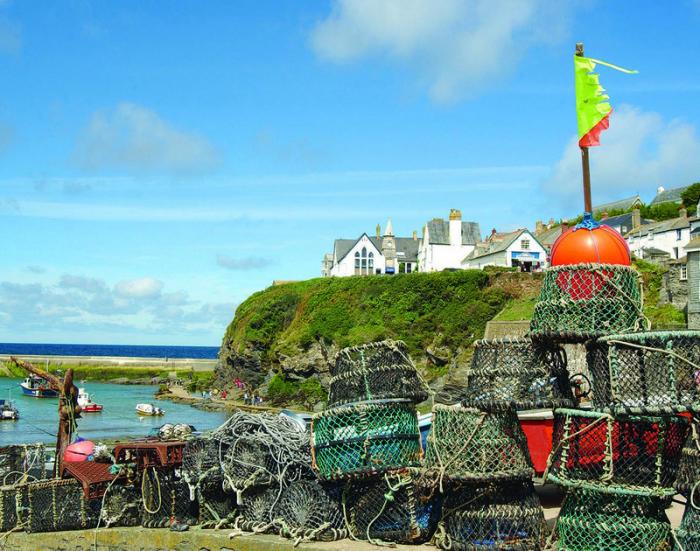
{"type": "Point", "coordinates": [146, 414]}
{"type": "Point", "coordinates": [38, 392]}
{"type": "Point", "coordinates": [91, 408]}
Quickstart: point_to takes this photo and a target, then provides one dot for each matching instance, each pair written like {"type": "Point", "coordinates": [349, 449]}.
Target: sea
{"type": "Point", "coordinates": [122, 350]}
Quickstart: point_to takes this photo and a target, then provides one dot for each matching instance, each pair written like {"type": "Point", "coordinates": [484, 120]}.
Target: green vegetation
{"type": "Point", "coordinates": [282, 391]}
{"type": "Point", "coordinates": [518, 309]}
{"type": "Point", "coordinates": [661, 316]}
{"type": "Point", "coordinates": [690, 197]}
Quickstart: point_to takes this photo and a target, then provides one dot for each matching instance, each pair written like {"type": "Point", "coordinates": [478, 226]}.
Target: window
{"type": "Point", "coordinates": [684, 272]}
{"type": "Point", "coordinates": [408, 267]}
{"type": "Point", "coordinates": [370, 263]}
{"type": "Point", "coordinates": [525, 244]}
{"type": "Point", "coordinates": [364, 260]}
{"type": "Point", "coordinates": [357, 263]}
{"type": "Point", "coordinates": [678, 235]}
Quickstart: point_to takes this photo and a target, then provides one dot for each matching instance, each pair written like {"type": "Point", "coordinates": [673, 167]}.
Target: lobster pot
{"type": "Point", "coordinates": [532, 375]}
{"type": "Point", "coordinates": [688, 533]}
{"type": "Point", "coordinates": [216, 508]}
{"type": "Point", "coordinates": [307, 511]}
{"type": "Point", "coordinates": [363, 439]}
{"type": "Point", "coordinates": [166, 499]}
{"type": "Point", "coordinates": [200, 462]}
{"type": "Point", "coordinates": [55, 505]}
{"type": "Point", "coordinates": [376, 371]}
{"type": "Point", "coordinates": [689, 468]}
{"type": "Point", "coordinates": [257, 510]}
{"type": "Point", "coordinates": [468, 444]}
{"type": "Point", "coordinates": [591, 520]}
{"type": "Point", "coordinates": [122, 507]}
{"type": "Point", "coordinates": [639, 454]}
{"type": "Point", "coordinates": [652, 372]}
{"type": "Point", "coordinates": [398, 506]}
{"type": "Point", "coordinates": [584, 301]}
{"type": "Point", "coordinates": [497, 516]}
{"type": "Point", "coordinates": [8, 508]}
{"type": "Point", "coordinates": [20, 460]}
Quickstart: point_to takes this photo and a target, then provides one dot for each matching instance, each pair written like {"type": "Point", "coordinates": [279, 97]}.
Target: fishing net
{"type": "Point", "coordinates": [122, 507]}
{"type": "Point", "coordinates": [584, 301]}
{"type": "Point", "coordinates": [592, 521]}
{"type": "Point", "coordinates": [21, 463]}
{"type": "Point", "coordinates": [257, 511]}
{"type": "Point", "coordinates": [396, 506]}
{"type": "Point", "coordinates": [216, 508]}
{"type": "Point", "coordinates": [307, 511]}
{"type": "Point", "coordinates": [200, 463]}
{"type": "Point", "coordinates": [376, 371]}
{"type": "Point", "coordinates": [471, 444]}
{"type": "Point", "coordinates": [9, 517]}
{"type": "Point", "coordinates": [261, 449]}
{"type": "Point", "coordinates": [54, 505]}
{"type": "Point", "coordinates": [364, 439]}
{"type": "Point", "coordinates": [166, 499]}
{"type": "Point", "coordinates": [652, 372]}
{"type": "Point", "coordinates": [688, 533]}
{"type": "Point", "coordinates": [497, 516]}
{"type": "Point", "coordinates": [689, 467]}
{"type": "Point", "coordinates": [636, 454]}
{"type": "Point", "coordinates": [532, 375]}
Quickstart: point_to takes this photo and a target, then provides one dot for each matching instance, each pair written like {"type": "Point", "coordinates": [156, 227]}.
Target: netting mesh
{"type": "Point", "coordinates": [122, 507]}
{"type": "Point", "coordinates": [200, 463]}
{"type": "Point", "coordinates": [471, 444]}
{"type": "Point", "coordinates": [530, 374]}
{"type": "Point", "coordinates": [53, 505]}
{"type": "Point", "coordinates": [634, 453]}
{"type": "Point", "coordinates": [8, 508]}
{"type": "Point", "coordinates": [582, 301]}
{"type": "Point", "coordinates": [376, 371]}
{"type": "Point", "coordinates": [257, 510]}
{"type": "Point", "coordinates": [648, 372]}
{"type": "Point", "coordinates": [591, 520]}
{"type": "Point", "coordinates": [365, 438]}
{"type": "Point", "coordinates": [216, 508]}
{"type": "Point", "coordinates": [496, 516]}
{"type": "Point", "coordinates": [397, 506]}
{"type": "Point", "coordinates": [688, 533]}
{"type": "Point", "coordinates": [22, 463]}
{"type": "Point", "coordinates": [166, 499]}
{"type": "Point", "coordinates": [689, 467]}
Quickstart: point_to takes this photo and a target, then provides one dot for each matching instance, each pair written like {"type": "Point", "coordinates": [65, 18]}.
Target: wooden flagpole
{"type": "Point", "coordinates": [587, 203]}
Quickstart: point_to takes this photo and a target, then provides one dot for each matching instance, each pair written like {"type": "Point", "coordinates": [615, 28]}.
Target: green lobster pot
{"type": "Point", "coordinates": [584, 301]}
{"type": "Point", "coordinates": [689, 468]}
{"type": "Point", "coordinates": [688, 533]}
{"type": "Point", "coordinates": [364, 439]}
{"type": "Point", "coordinates": [598, 521]}
{"type": "Point", "coordinates": [469, 444]}
{"type": "Point", "coordinates": [54, 505]}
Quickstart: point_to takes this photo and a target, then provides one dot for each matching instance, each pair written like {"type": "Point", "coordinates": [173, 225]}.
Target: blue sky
{"type": "Point", "coordinates": [159, 162]}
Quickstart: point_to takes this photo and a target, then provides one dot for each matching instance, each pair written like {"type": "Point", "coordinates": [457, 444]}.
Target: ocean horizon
{"type": "Point", "coordinates": [121, 350]}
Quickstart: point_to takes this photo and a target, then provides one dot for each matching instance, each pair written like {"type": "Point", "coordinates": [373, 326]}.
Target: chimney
{"type": "Point", "coordinates": [550, 223]}
{"type": "Point", "coordinates": [564, 225]}
{"type": "Point", "coordinates": [604, 216]}
{"type": "Point", "coordinates": [539, 227]}
{"type": "Point", "coordinates": [415, 235]}
{"type": "Point", "coordinates": [379, 230]}
{"type": "Point", "coordinates": [636, 217]}
{"type": "Point", "coordinates": [455, 227]}
{"type": "Point", "coordinates": [682, 212]}
{"type": "Point", "coordinates": [493, 233]}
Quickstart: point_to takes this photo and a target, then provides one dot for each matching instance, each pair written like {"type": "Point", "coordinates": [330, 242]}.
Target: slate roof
{"type": "Point", "coordinates": [669, 196]}
{"type": "Point", "coordinates": [624, 220]}
{"type": "Point", "coordinates": [549, 236]}
{"type": "Point", "coordinates": [623, 204]}
{"type": "Point", "coordinates": [653, 251]}
{"type": "Point", "coordinates": [406, 245]}
{"type": "Point", "coordinates": [501, 242]}
{"type": "Point", "coordinates": [693, 245]}
{"type": "Point", "coordinates": [439, 232]}
{"type": "Point", "coordinates": [660, 227]}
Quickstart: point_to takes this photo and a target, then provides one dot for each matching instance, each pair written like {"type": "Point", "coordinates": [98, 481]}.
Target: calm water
{"type": "Point", "coordinates": [39, 417]}
{"type": "Point", "coordinates": [123, 350]}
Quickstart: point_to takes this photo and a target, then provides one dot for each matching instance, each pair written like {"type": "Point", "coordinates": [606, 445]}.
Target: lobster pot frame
{"type": "Point", "coordinates": [200, 462]}
{"type": "Point", "coordinates": [258, 510]}
{"type": "Point", "coordinates": [468, 444]}
{"type": "Point", "coordinates": [216, 508]}
{"type": "Point", "coordinates": [497, 516]}
{"type": "Point", "coordinates": [54, 505]}
{"type": "Point", "coordinates": [399, 506]}
{"type": "Point", "coordinates": [8, 508]}
{"type": "Point", "coordinates": [20, 460]}
{"type": "Point", "coordinates": [596, 520]}
{"type": "Point", "coordinates": [689, 466]}
{"type": "Point", "coordinates": [364, 439]}
{"type": "Point", "coordinates": [530, 374]}
{"type": "Point", "coordinates": [583, 301]}
{"type": "Point", "coordinates": [166, 498]}
{"type": "Point", "coordinates": [122, 507]}
{"type": "Point", "coordinates": [376, 371]}
{"type": "Point", "coordinates": [639, 454]}
{"type": "Point", "coordinates": [688, 533]}
{"type": "Point", "coordinates": [651, 372]}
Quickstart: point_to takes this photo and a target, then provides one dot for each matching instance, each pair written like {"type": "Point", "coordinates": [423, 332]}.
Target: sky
{"type": "Point", "coordinates": [160, 162]}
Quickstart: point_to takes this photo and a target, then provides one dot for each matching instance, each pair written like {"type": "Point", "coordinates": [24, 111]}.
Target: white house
{"type": "Point", "coordinates": [518, 249]}
{"type": "Point", "coordinates": [656, 238]}
{"type": "Point", "coordinates": [445, 243]}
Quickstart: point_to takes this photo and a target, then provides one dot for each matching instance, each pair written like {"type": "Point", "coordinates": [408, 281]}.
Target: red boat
{"type": "Point", "coordinates": [86, 404]}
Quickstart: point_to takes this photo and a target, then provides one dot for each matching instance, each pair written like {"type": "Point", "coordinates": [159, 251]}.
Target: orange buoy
{"type": "Point", "coordinates": [590, 243]}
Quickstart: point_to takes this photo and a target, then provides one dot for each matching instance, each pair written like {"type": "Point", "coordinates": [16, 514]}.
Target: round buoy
{"type": "Point", "coordinates": [599, 244]}
{"type": "Point", "coordinates": [80, 450]}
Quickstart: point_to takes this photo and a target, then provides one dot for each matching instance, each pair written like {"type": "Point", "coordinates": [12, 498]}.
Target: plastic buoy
{"type": "Point", "coordinates": [80, 450]}
{"type": "Point", "coordinates": [590, 242]}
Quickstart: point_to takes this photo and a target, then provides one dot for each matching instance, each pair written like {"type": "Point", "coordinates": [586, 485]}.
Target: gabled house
{"type": "Point", "coordinates": [446, 242]}
{"type": "Point", "coordinates": [518, 249]}
{"type": "Point", "coordinates": [668, 195]}
{"type": "Point", "coordinates": [669, 236]}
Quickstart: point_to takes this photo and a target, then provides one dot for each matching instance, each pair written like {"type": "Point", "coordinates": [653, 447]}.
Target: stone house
{"type": "Point", "coordinates": [445, 243]}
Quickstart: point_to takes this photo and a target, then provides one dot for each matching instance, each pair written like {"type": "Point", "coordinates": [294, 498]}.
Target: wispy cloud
{"type": "Point", "coordinates": [134, 138]}
{"type": "Point", "coordinates": [243, 264]}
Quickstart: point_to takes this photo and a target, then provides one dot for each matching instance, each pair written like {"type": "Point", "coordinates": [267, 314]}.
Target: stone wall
{"type": "Point", "coordinates": [673, 290]}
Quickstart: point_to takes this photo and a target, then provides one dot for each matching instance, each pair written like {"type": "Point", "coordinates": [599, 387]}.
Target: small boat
{"type": "Point", "coordinates": [149, 410]}
{"type": "Point", "coordinates": [36, 387]}
{"type": "Point", "coordinates": [86, 404]}
{"type": "Point", "coordinates": [8, 411]}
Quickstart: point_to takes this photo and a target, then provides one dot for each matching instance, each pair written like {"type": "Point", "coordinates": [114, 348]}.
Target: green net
{"type": "Point", "coordinates": [594, 521]}
{"type": "Point", "coordinates": [397, 506]}
{"type": "Point", "coordinates": [471, 444]}
{"type": "Point", "coordinates": [53, 505]}
{"type": "Point", "coordinates": [688, 533]}
{"type": "Point", "coordinates": [634, 454]}
{"type": "Point", "coordinates": [530, 374]}
{"type": "Point", "coordinates": [583, 301]}
{"type": "Point", "coordinates": [689, 467]}
{"type": "Point", "coordinates": [651, 372]}
{"type": "Point", "coordinates": [496, 516]}
{"type": "Point", "coordinates": [364, 439]}
{"type": "Point", "coordinates": [376, 371]}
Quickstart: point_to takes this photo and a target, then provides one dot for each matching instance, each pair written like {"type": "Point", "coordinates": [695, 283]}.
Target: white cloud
{"type": "Point", "coordinates": [457, 46]}
{"type": "Point", "coordinates": [640, 151]}
{"type": "Point", "coordinates": [145, 287]}
{"type": "Point", "coordinates": [134, 138]}
{"type": "Point", "coordinates": [242, 264]}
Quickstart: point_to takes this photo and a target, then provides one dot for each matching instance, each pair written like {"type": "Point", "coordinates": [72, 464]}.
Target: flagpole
{"type": "Point", "coordinates": [587, 204]}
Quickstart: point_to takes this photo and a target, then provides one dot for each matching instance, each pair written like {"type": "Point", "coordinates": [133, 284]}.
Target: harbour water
{"type": "Point", "coordinates": [39, 417]}
{"type": "Point", "coordinates": [120, 350]}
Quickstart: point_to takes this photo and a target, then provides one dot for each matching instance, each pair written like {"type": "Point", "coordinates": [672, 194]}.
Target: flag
{"type": "Point", "coordinates": [592, 106]}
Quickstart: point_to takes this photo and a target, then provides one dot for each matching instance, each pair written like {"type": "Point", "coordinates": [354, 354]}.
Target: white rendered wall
{"type": "Point", "coordinates": [665, 241]}
{"type": "Point", "coordinates": [346, 267]}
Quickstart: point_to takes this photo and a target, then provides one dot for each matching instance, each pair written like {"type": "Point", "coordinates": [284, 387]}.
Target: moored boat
{"type": "Point", "coordinates": [36, 387]}
{"type": "Point", "coordinates": [149, 410]}
{"type": "Point", "coordinates": [8, 411]}
{"type": "Point", "coordinates": [86, 404]}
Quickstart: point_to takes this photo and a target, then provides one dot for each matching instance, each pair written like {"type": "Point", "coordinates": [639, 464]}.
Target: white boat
{"type": "Point", "coordinates": [86, 403]}
{"type": "Point", "coordinates": [8, 411]}
{"type": "Point", "coordinates": [149, 410]}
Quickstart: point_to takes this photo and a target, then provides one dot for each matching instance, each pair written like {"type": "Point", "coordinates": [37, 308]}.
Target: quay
{"type": "Point", "coordinates": [175, 364]}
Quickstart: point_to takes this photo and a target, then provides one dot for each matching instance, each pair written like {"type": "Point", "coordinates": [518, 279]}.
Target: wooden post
{"type": "Point", "coordinates": [587, 203]}
{"type": "Point", "coordinates": [68, 408]}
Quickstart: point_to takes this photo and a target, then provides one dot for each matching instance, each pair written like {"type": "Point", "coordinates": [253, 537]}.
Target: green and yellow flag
{"type": "Point", "coordinates": [592, 106]}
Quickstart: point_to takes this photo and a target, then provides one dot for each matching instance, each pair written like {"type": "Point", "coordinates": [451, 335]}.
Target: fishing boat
{"type": "Point", "coordinates": [8, 411]}
{"type": "Point", "coordinates": [86, 404]}
{"type": "Point", "coordinates": [149, 410]}
{"type": "Point", "coordinates": [36, 387]}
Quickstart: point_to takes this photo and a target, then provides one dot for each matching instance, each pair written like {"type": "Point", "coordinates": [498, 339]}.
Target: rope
{"type": "Point", "coordinates": [388, 498]}
{"type": "Point", "coordinates": [143, 491]}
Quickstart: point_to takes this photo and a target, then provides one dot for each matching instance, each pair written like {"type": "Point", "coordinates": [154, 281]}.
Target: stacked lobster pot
{"type": "Point", "coordinates": [618, 460]}
{"type": "Point", "coordinates": [478, 454]}
{"type": "Point", "coordinates": [367, 444]}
